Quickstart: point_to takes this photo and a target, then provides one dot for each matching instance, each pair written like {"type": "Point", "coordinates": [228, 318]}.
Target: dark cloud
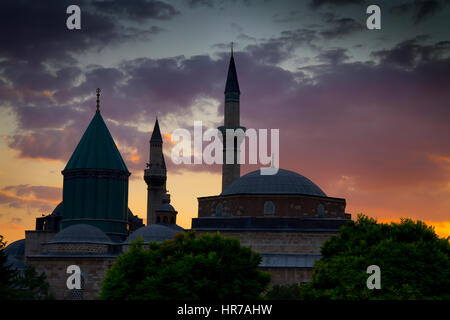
{"type": "Point", "coordinates": [214, 3]}
{"type": "Point", "coordinates": [292, 15]}
{"type": "Point", "coordinates": [137, 9]}
{"type": "Point", "coordinates": [333, 56]}
{"type": "Point", "coordinates": [37, 192]}
{"type": "Point", "coordinates": [38, 77]}
{"type": "Point", "coordinates": [413, 52]}
{"type": "Point", "coordinates": [421, 9]}
{"type": "Point", "coordinates": [50, 144]}
{"type": "Point", "coordinates": [278, 49]}
{"type": "Point", "coordinates": [338, 27]}
{"type": "Point", "coordinates": [37, 33]}
{"type": "Point", "coordinates": [42, 198]}
{"type": "Point", "coordinates": [319, 3]}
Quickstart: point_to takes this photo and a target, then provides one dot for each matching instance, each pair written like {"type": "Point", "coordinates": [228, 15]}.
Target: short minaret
{"type": "Point", "coordinates": [231, 172]}
{"type": "Point", "coordinates": [155, 176]}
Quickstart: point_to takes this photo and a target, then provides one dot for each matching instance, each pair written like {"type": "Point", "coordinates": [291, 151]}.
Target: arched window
{"type": "Point", "coordinates": [219, 209]}
{"type": "Point", "coordinates": [165, 220]}
{"type": "Point", "coordinates": [158, 219]}
{"type": "Point", "coordinates": [320, 210]}
{"type": "Point", "coordinates": [269, 207]}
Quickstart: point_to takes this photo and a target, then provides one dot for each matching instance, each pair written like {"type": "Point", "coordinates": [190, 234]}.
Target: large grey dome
{"type": "Point", "coordinates": [81, 233]}
{"type": "Point", "coordinates": [284, 182]}
{"type": "Point", "coordinates": [16, 249]}
{"type": "Point", "coordinates": [153, 232]}
{"type": "Point", "coordinates": [15, 253]}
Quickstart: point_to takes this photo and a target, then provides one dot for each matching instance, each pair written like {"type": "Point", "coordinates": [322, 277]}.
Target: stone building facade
{"type": "Point", "coordinates": [285, 216]}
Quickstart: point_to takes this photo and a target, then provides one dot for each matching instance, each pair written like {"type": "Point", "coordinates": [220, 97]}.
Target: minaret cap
{"type": "Point", "coordinates": [156, 134]}
{"type": "Point", "coordinates": [232, 84]}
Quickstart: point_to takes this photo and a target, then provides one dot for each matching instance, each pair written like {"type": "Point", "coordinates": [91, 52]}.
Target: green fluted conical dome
{"type": "Point", "coordinates": [96, 149]}
{"type": "Point", "coordinates": [95, 190]}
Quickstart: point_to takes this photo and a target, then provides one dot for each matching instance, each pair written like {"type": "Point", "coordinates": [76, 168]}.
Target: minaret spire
{"type": "Point", "coordinates": [98, 100]}
{"type": "Point", "coordinates": [231, 171]}
{"type": "Point", "coordinates": [156, 134]}
{"type": "Point", "coordinates": [155, 176]}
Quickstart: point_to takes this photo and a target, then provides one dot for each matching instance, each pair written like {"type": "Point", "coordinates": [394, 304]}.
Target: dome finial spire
{"type": "Point", "coordinates": [98, 99]}
{"type": "Point", "coordinates": [231, 48]}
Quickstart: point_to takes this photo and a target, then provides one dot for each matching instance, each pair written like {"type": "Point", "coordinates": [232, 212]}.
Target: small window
{"type": "Point", "coordinates": [219, 210]}
{"type": "Point", "coordinates": [320, 210]}
{"type": "Point", "coordinates": [269, 207]}
{"type": "Point", "coordinates": [165, 219]}
{"type": "Point", "coordinates": [158, 220]}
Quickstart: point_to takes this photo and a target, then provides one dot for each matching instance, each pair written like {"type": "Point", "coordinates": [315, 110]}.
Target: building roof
{"type": "Point", "coordinates": [16, 249]}
{"type": "Point", "coordinates": [15, 255]}
{"type": "Point", "coordinates": [239, 223]}
{"type": "Point", "coordinates": [284, 182]}
{"type": "Point", "coordinates": [96, 149]}
{"type": "Point", "coordinates": [166, 207]}
{"type": "Point", "coordinates": [153, 232]}
{"type": "Point", "coordinates": [81, 233]}
{"type": "Point", "coordinates": [232, 84]}
{"type": "Point", "coordinates": [59, 209]}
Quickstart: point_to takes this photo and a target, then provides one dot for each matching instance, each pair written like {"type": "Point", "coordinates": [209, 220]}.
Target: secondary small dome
{"type": "Point", "coordinates": [81, 233]}
{"type": "Point", "coordinates": [153, 232]}
{"type": "Point", "coordinates": [167, 208]}
{"type": "Point", "coordinates": [284, 182]}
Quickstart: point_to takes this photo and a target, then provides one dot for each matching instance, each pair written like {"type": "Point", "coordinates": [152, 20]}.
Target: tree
{"type": "Point", "coordinates": [7, 274]}
{"type": "Point", "coordinates": [32, 286]}
{"type": "Point", "coordinates": [284, 292]}
{"type": "Point", "coordinates": [207, 267]}
{"type": "Point", "coordinates": [15, 286]}
{"type": "Point", "coordinates": [414, 262]}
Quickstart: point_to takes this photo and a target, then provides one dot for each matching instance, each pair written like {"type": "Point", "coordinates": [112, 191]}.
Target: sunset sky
{"type": "Point", "coordinates": [365, 114]}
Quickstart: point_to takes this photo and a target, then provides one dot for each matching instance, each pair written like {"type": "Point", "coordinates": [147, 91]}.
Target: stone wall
{"type": "Point", "coordinates": [87, 248]}
{"type": "Point", "coordinates": [285, 206]}
{"type": "Point", "coordinates": [35, 241]}
{"type": "Point", "coordinates": [285, 276]}
{"type": "Point", "coordinates": [282, 242]}
{"type": "Point", "coordinates": [93, 271]}
{"type": "Point", "coordinates": [290, 242]}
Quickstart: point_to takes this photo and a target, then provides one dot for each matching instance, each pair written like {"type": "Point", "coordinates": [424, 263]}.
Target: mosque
{"type": "Point", "coordinates": [285, 217]}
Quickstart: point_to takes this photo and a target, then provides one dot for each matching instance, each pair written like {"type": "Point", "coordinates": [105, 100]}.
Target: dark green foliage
{"type": "Point", "coordinates": [7, 274]}
{"type": "Point", "coordinates": [27, 286]}
{"type": "Point", "coordinates": [414, 262]}
{"type": "Point", "coordinates": [32, 286]}
{"type": "Point", "coordinates": [284, 292]}
{"type": "Point", "coordinates": [207, 267]}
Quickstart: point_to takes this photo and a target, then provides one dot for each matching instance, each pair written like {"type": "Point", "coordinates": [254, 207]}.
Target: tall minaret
{"type": "Point", "coordinates": [155, 176]}
{"type": "Point", "coordinates": [231, 172]}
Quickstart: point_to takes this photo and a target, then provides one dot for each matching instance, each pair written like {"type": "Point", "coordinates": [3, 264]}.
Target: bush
{"type": "Point", "coordinates": [208, 267]}
{"type": "Point", "coordinates": [414, 262]}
